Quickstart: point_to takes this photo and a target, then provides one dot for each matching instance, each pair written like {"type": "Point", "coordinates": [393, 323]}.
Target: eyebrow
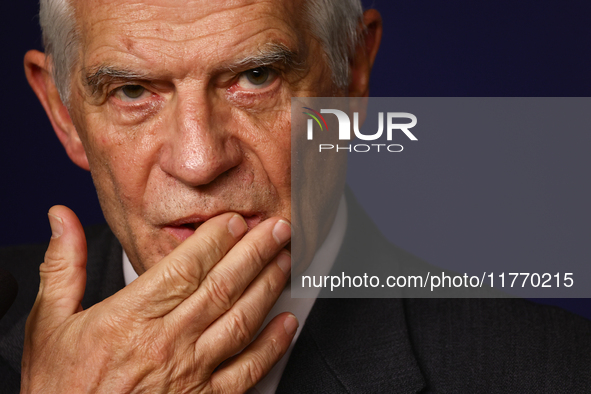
{"type": "Point", "coordinates": [96, 78]}
{"type": "Point", "coordinates": [270, 53]}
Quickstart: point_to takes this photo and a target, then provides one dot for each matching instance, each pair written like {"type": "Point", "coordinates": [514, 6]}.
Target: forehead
{"type": "Point", "coordinates": [184, 30]}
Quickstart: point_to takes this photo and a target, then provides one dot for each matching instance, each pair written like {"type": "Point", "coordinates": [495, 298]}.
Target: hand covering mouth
{"type": "Point", "coordinates": [184, 228]}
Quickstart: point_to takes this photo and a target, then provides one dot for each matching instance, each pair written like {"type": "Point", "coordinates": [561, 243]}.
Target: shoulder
{"type": "Point", "coordinates": [507, 344]}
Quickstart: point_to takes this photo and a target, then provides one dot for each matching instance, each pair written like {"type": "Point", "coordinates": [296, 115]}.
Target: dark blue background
{"type": "Point", "coordinates": [429, 48]}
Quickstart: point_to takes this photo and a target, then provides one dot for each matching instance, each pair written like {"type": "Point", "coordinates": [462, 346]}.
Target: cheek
{"type": "Point", "coordinates": [269, 138]}
{"type": "Point", "coordinates": [120, 161]}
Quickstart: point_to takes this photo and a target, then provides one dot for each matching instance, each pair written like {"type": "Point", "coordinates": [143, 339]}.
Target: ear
{"type": "Point", "coordinates": [40, 79]}
{"type": "Point", "coordinates": [365, 54]}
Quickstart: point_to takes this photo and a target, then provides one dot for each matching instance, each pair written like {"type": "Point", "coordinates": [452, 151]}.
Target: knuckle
{"type": "Point", "coordinates": [181, 267]}
{"type": "Point", "coordinates": [53, 262]}
{"type": "Point", "coordinates": [253, 370]}
{"type": "Point", "coordinates": [273, 284]}
{"type": "Point", "coordinates": [275, 348]}
{"type": "Point", "coordinates": [219, 292]}
{"type": "Point", "coordinates": [253, 252]}
{"type": "Point", "coordinates": [239, 328]}
{"type": "Point", "coordinates": [213, 248]}
{"type": "Point", "coordinates": [51, 273]}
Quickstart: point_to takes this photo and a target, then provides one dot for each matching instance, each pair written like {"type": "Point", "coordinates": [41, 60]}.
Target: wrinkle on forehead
{"type": "Point", "coordinates": [207, 27]}
{"type": "Point", "coordinates": [172, 14]}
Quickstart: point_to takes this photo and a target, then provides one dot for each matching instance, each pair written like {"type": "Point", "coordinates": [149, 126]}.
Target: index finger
{"type": "Point", "coordinates": [160, 289]}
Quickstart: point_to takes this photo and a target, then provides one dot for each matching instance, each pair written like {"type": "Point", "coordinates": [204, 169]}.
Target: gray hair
{"type": "Point", "coordinates": [334, 22]}
{"type": "Point", "coordinates": [336, 25]}
{"type": "Point", "coordinates": [61, 40]}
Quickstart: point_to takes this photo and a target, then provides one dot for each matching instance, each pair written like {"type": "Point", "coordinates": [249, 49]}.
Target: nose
{"type": "Point", "coordinates": [198, 148]}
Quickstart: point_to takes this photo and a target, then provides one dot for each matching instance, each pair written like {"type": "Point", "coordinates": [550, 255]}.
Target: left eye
{"type": "Point", "coordinates": [131, 92]}
{"type": "Point", "coordinates": [257, 78]}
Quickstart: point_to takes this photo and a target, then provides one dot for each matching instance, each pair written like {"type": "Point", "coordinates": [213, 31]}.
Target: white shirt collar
{"type": "Point", "coordinates": [300, 307]}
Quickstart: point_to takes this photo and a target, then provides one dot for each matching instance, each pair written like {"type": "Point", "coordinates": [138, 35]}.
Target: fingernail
{"type": "Point", "coordinates": [57, 225]}
{"type": "Point", "coordinates": [291, 325]}
{"type": "Point", "coordinates": [284, 262]}
{"type": "Point", "coordinates": [282, 232]}
{"type": "Point", "coordinates": [237, 226]}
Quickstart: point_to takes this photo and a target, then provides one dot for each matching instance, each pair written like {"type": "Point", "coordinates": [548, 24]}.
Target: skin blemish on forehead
{"type": "Point", "coordinates": [129, 44]}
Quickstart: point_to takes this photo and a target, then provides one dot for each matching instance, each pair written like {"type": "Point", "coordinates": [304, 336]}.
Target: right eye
{"type": "Point", "coordinates": [131, 93]}
{"type": "Point", "coordinates": [257, 78]}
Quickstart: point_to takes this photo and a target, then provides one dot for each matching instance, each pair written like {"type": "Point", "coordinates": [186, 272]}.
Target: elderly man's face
{"type": "Point", "coordinates": [179, 122]}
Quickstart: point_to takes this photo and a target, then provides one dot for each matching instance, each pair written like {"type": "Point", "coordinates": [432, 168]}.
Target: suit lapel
{"type": "Point", "coordinates": [104, 267]}
{"type": "Point", "coordinates": [353, 346]}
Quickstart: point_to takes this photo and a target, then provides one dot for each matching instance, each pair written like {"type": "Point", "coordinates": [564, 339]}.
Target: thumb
{"type": "Point", "coordinates": [63, 273]}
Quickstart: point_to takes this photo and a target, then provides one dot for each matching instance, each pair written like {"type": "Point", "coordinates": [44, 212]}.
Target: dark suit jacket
{"type": "Point", "coordinates": [371, 345]}
{"type": "Point", "coordinates": [432, 345]}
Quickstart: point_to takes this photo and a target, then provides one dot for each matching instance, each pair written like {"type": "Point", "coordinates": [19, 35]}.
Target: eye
{"type": "Point", "coordinates": [257, 78]}
{"type": "Point", "coordinates": [131, 92]}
